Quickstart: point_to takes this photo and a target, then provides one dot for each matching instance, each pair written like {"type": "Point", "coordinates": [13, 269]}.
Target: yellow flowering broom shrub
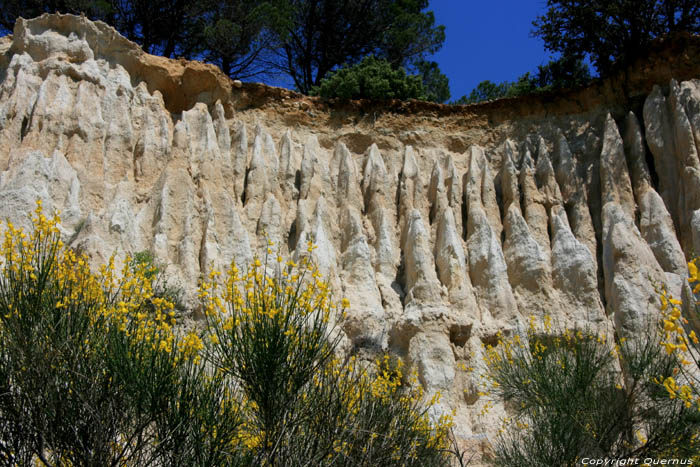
{"type": "Point", "coordinates": [273, 330]}
{"type": "Point", "coordinates": [92, 370]}
{"type": "Point", "coordinates": [96, 371]}
{"type": "Point", "coordinates": [571, 395]}
{"type": "Point", "coordinates": [680, 339]}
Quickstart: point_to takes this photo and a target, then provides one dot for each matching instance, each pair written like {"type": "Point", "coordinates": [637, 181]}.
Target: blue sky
{"type": "Point", "coordinates": [487, 40]}
{"type": "Point", "coordinates": [484, 40]}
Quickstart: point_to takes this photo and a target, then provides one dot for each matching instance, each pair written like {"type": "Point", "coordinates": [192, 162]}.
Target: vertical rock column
{"type": "Point", "coordinates": [671, 139]}
{"type": "Point", "coordinates": [375, 202]}
{"type": "Point", "coordinates": [630, 268]}
{"type": "Point", "coordinates": [366, 326]}
{"type": "Point", "coordinates": [655, 222]}
{"type": "Point", "coordinates": [487, 265]}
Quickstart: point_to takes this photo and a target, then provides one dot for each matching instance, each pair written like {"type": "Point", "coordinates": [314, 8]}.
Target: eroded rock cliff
{"type": "Point", "coordinates": [442, 225]}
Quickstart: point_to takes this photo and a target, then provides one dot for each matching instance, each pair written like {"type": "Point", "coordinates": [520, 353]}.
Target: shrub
{"type": "Point", "coordinates": [372, 78]}
{"type": "Point", "coordinates": [485, 91]}
{"type": "Point", "coordinates": [95, 371]}
{"type": "Point", "coordinates": [568, 400]}
{"type": "Point", "coordinates": [435, 84]}
{"type": "Point", "coordinates": [275, 333]}
{"type": "Point", "coordinates": [91, 365]}
{"type": "Point", "coordinates": [680, 339]}
{"type": "Point", "coordinates": [155, 273]}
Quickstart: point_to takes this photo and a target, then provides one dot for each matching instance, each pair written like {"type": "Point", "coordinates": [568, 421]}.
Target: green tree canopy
{"type": "Point", "coordinates": [304, 39]}
{"type": "Point", "coordinates": [165, 27]}
{"type": "Point", "coordinates": [612, 30]}
{"type": "Point", "coordinates": [232, 34]}
{"type": "Point", "coordinates": [320, 35]}
{"type": "Point", "coordinates": [411, 34]}
{"type": "Point", "coordinates": [485, 91]}
{"type": "Point", "coordinates": [565, 72]}
{"type": "Point", "coordinates": [235, 36]}
{"type": "Point", "coordinates": [436, 84]}
{"type": "Point", "coordinates": [372, 78]}
{"type": "Point", "coordinates": [13, 9]}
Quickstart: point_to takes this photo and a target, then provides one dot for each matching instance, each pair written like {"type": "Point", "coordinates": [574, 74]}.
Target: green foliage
{"type": "Point", "coordinates": [435, 83]}
{"type": "Point", "coordinates": [568, 400]}
{"type": "Point", "coordinates": [612, 30]}
{"type": "Point", "coordinates": [165, 27]}
{"type": "Point", "coordinates": [557, 74]}
{"type": "Point", "coordinates": [321, 35]}
{"type": "Point", "coordinates": [86, 380]}
{"type": "Point", "coordinates": [234, 37]}
{"type": "Point", "coordinates": [12, 9]}
{"type": "Point", "coordinates": [680, 339]}
{"type": "Point", "coordinates": [145, 261]}
{"type": "Point", "coordinates": [523, 86]}
{"type": "Point", "coordinates": [230, 33]}
{"type": "Point", "coordinates": [94, 370]}
{"type": "Point", "coordinates": [275, 335]}
{"type": "Point", "coordinates": [305, 39]}
{"type": "Point", "coordinates": [411, 34]}
{"type": "Point", "coordinates": [561, 73]}
{"type": "Point", "coordinates": [372, 78]}
{"type": "Point", "coordinates": [273, 341]}
{"type": "Point", "coordinates": [485, 91]}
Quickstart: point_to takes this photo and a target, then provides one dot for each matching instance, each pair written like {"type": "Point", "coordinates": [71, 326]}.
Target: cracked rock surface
{"type": "Point", "coordinates": [441, 228]}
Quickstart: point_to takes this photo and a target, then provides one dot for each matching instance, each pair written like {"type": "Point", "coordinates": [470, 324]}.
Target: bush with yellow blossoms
{"type": "Point", "coordinates": [680, 338]}
{"type": "Point", "coordinates": [92, 368]}
{"type": "Point", "coordinates": [274, 329]}
{"type": "Point", "coordinates": [572, 394]}
{"type": "Point", "coordinates": [96, 370]}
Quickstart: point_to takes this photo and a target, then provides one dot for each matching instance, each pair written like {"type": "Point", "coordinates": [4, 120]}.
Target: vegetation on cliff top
{"type": "Point", "coordinates": [308, 40]}
{"type": "Point", "coordinates": [612, 33]}
{"type": "Point", "coordinates": [371, 79]}
{"type": "Point", "coordinates": [303, 39]}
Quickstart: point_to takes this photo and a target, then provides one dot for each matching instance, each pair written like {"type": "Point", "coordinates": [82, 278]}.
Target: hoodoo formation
{"type": "Point", "coordinates": [443, 225]}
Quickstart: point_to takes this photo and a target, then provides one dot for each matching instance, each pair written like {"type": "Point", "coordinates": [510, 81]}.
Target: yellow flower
{"type": "Point", "coordinates": [670, 348]}
{"type": "Point", "coordinates": [693, 337]}
{"type": "Point", "coordinates": [671, 387]}
{"type": "Point", "coordinates": [693, 272]}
